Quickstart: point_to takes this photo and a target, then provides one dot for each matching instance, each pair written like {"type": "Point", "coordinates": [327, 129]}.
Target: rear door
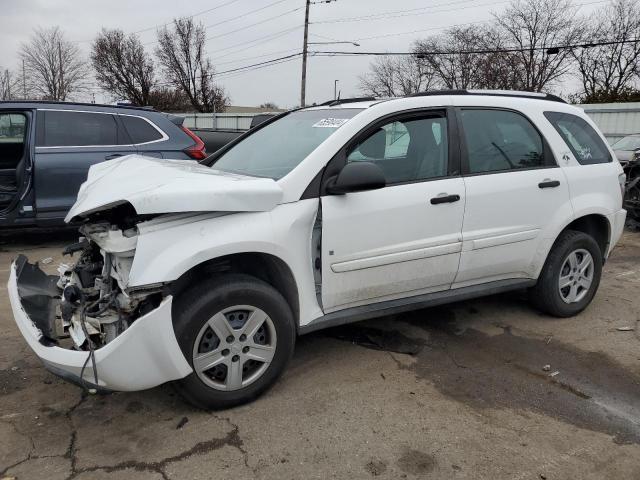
{"type": "Point", "coordinates": [515, 195]}
{"type": "Point", "coordinates": [404, 239]}
{"type": "Point", "coordinates": [68, 142]}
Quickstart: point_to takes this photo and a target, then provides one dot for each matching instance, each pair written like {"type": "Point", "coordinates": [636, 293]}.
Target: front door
{"type": "Point", "coordinates": [401, 240]}
{"type": "Point", "coordinates": [67, 144]}
{"type": "Point", "coordinates": [14, 156]}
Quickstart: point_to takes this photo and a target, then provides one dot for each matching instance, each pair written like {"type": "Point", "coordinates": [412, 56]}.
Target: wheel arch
{"type": "Point", "coordinates": [264, 266]}
{"type": "Point", "coordinates": [596, 225]}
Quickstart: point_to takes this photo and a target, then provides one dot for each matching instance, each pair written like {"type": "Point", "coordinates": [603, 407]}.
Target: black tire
{"type": "Point", "coordinates": [196, 306]}
{"type": "Point", "coordinates": [545, 295]}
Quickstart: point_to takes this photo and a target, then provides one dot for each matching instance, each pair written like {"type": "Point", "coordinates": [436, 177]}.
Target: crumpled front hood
{"type": "Point", "coordinates": [155, 185]}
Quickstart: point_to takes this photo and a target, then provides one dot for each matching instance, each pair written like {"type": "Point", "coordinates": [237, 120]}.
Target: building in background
{"type": "Point", "coordinates": [615, 120]}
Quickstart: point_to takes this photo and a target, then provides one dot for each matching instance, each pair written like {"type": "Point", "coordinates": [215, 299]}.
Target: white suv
{"type": "Point", "coordinates": [206, 273]}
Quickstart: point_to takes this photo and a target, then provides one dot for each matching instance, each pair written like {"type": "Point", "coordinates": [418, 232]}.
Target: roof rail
{"type": "Point", "coordinates": [340, 101]}
{"type": "Point", "coordinates": [495, 93]}
{"type": "Point", "coordinates": [84, 104]}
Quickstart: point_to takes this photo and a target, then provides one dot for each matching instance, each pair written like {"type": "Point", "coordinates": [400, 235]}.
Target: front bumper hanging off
{"type": "Point", "coordinates": [145, 355]}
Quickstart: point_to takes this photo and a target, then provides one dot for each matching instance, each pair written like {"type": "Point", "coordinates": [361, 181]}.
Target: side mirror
{"type": "Point", "coordinates": [357, 177]}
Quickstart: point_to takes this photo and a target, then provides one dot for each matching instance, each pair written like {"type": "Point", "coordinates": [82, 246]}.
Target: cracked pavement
{"type": "Point", "coordinates": [450, 392]}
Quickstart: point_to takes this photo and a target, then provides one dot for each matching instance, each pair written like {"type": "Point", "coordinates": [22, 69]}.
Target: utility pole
{"type": "Point", "coordinates": [303, 87]}
{"type": "Point", "coordinates": [335, 89]}
{"type": "Point", "coordinates": [305, 48]}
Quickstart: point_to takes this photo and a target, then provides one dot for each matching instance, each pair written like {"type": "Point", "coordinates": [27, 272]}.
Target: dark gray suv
{"type": "Point", "coordinates": [46, 149]}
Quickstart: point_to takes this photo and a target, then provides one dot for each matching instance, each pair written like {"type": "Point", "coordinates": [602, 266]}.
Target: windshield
{"type": "Point", "coordinates": [276, 149]}
{"type": "Point", "coordinates": [631, 142]}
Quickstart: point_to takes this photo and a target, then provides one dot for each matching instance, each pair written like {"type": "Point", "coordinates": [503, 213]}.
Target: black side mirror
{"type": "Point", "coordinates": [356, 177]}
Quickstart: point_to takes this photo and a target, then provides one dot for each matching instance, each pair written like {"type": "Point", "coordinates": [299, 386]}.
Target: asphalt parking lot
{"type": "Point", "coordinates": [453, 392]}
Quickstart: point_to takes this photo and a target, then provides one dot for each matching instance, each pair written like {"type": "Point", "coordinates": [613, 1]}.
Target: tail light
{"type": "Point", "coordinates": [196, 151]}
{"type": "Point", "coordinates": [622, 180]}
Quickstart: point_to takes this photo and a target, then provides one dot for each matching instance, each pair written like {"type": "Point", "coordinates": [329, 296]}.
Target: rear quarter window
{"type": "Point", "coordinates": [581, 138]}
{"type": "Point", "coordinates": [139, 130]}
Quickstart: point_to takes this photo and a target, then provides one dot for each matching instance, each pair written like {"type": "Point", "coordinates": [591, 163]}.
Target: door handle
{"type": "Point", "coordinates": [445, 199]}
{"type": "Point", "coordinates": [111, 157]}
{"type": "Point", "coordinates": [549, 184]}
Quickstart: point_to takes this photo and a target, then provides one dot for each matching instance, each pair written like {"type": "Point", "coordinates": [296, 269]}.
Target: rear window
{"type": "Point", "coordinates": [139, 130]}
{"type": "Point", "coordinates": [76, 129]}
{"type": "Point", "coordinates": [583, 141]}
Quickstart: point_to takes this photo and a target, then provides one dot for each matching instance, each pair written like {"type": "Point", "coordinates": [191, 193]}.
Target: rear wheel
{"type": "Point", "coordinates": [238, 333]}
{"type": "Point", "coordinates": [570, 276]}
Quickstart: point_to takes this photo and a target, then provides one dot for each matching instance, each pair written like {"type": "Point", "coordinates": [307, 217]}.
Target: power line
{"type": "Point", "coordinates": [386, 35]}
{"type": "Point", "coordinates": [251, 12]}
{"type": "Point", "coordinates": [290, 50]}
{"type": "Point", "coordinates": [263, 39]}
{"type": "Point", "coordinates": [253, 66]}
{"type": "Point", "coordinates": [237, 74]}
{"type": "Point", "coordinates": [405, 13]}
{"type": "Point", "coordinates": [190, 16]}
{"type": "Point", "coordinates": [266, 62]}
{"type": "Point", "coordinates": [550, 49]}
{"type": "Point", "coordinates": [419, 11]}
{"type": "Point", "coordinates": [254, 24]}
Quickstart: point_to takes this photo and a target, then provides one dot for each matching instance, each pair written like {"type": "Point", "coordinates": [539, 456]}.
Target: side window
{"type": "Point", "coordinates": [76, 129]}
{"type": "Point", "coordinates": [406, 150]}
{"type": "Point", "coordinates": [140, 130]}
{"type": "Point", "coordinates": [584, 142]}
{"type": "Point", "coordinates": [13, 130]}
{"type": "Point", "coordinates": [499, 140]}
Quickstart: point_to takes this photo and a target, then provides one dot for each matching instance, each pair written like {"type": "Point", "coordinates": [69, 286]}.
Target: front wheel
{"type": "Point", "coordinates": [238, 334]}
{"type": "Point", "coordinates": [570, 276]}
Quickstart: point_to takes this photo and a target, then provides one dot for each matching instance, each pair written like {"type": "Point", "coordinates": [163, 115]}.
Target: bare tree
{"type": "Point", "coordinates": [269, 105]}
{"type": "Point", "coordinates": [608, 71]}
{"type": "Point", "coordinates": [122, 66]}
{"type": "Point", "coordinates": [393, 77]}
{"type": "Point", "coordinates": [181, 54]}
{"type": "Point", "coordinates": [535, 26]}
{"type": "Point", "coordinates": [169, 100]}
{"type": "Point", "coordinates": [53, 65]}
{"type": "Point", "coordinates": [469, 57]}
{"type": "Point", "coordinates": [9, 85]}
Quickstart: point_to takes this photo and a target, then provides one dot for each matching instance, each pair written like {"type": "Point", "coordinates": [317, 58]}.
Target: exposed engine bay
{"type": "Point", "coordinates": [96, 306]}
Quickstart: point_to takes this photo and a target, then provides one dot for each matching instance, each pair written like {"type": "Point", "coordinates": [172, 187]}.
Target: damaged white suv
{"type": "Point", "coordinates": [205, 274]}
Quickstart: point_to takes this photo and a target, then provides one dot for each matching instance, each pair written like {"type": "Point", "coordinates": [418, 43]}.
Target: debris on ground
{"type": "Point", "coordinates": [554, 373]}
{"type": "Point", "coordinates": [546, 368]}
{"type": "Point", "coordinates": [46, 261]}
{"type": "Point", "coordinates": [625, 329]}
{"type": "Point", "coordinates": [183, 421]}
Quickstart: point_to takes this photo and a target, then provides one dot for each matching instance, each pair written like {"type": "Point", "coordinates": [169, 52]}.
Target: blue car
{"type": "Point", "coordinates": [46, 149]}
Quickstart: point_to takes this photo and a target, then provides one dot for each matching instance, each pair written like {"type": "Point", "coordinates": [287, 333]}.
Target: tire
{"type": "Point", "coordinates": [547, 295]}
{"type": "Point", "coordinates": [210, 308]}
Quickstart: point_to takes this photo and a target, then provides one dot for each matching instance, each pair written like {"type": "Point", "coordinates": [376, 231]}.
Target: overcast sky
{"type": "Point", "coordinates": [278, 31]}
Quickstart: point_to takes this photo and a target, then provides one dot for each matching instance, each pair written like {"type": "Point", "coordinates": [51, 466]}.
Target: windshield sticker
{"type": "Point", "coordinates": [330, 122]}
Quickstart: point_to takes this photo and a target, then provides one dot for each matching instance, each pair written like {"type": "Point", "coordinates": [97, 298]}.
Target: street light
{"type": "Point", "coordinates": [355, 44]}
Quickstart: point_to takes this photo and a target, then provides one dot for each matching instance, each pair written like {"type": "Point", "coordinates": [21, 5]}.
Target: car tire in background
{"type": "Point", "coordinates": [570, 276]}
{"type": "Point", "coordinates": [238, 334]}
